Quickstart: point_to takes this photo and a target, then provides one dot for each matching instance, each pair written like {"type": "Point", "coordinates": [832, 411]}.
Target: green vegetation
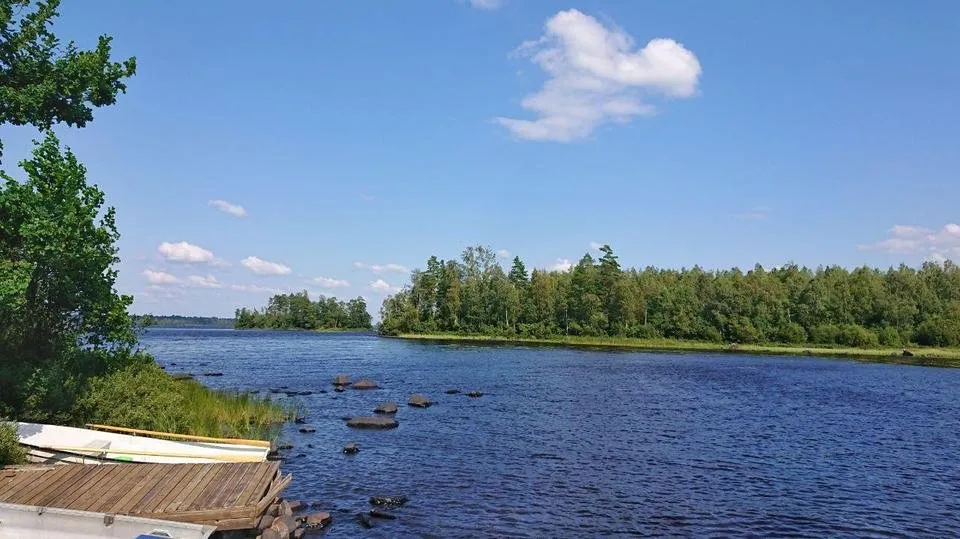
{"type": "Point", "coordinates": [828, 307]}
{"type": "Point", "coordinates": [11, 452]}
{"type": "Point", "coordinates": [944, 357]}
{"type": "Point", "coordinates": [176, 321]}
{"type": "Point", "coordinates": [296, 311]}
{"type": "Point", "coordinates": [67, 343]}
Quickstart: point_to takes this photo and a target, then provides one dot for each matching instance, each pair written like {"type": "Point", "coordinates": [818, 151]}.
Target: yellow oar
{"type": "Point", "coordinates": [234, 441]}
{"type": "Point", "coordinates": [98, 451]}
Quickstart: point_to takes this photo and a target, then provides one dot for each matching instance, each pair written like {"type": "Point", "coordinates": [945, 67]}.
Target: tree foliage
{"type": "Point", "coordinates": [828, 306]}
{"type": "Point", "coordinates": [44, 82]}
{"type": "Point", "coordinates": [297, 311]}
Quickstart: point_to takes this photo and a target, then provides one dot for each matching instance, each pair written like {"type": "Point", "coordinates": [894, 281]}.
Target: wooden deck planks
{"type": "Point", "coordinates": [228, 493]}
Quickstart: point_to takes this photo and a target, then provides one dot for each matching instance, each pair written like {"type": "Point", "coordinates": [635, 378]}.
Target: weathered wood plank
{"type": "Point", "coordinates": [40, 489]}
{"type": "Point", "coordinates": [258, 484]}
{"type": "Point", "coordinates": [192, 490]}
{"type": "Point", "coordinates": [158, 488]}
{"type": "Point", "coordinates": [232, 488]}
{"type": "Point", "coordinates": [190, 472]}
{"type": "Point", "coordinates": [212, 487]}
{"type": "Point", "coordinates": [139, 483]}
{"type": "Point", "coordinates": [81, 488]}
{"type": "Point", "coordinates": [22, 478]}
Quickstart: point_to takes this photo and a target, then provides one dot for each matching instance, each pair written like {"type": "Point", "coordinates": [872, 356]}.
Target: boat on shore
{"type": "Point", "coordinates": [53, 523]}
{"type": "Point", "coordinates": [55, 444]}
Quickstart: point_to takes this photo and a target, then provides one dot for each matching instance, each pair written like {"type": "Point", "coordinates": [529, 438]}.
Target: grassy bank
{"type": "Point", "coordinates": [922, 356]}
{"type": "Point", "coordinates": [146, 397]}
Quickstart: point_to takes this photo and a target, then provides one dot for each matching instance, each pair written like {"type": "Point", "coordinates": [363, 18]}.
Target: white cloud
{"type": "Point", "coordinates": [185, 252]}
{"type": "Point", "coordinates": [754, 214]}
{"type": "Point", "coordinates": [596, 75]}
{"type": "Point", "coordinates": [595, 245]}
{"type": "Point", "coordinates": [265, 267]}
{"type": "Point", "coordinates": [385, 268]}
{"type": "Point", "coordinates": [486, 4]}
{"type": "Point", "coordinates": [384, 287]}
{"type": "Point", "coordinates": [254, 288]}
{"type": "Point", "coordinates": [503, 253]}
{"type": "Point", "coordinates": [562, 264]}
{"type": "Point", "coordinates": [937, 245]}
{"type": "Point", "coordinates": [226, 207]}
{"type": "Point", "coordinates": [327, 282]}
{"type": "Point", "coordinates": [204, 281]}
{"type": "Point", "coordinates": [160, 277]}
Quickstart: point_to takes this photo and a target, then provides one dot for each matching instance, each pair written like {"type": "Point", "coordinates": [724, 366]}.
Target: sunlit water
{"type": "Point", "coordinates": [585, 443]}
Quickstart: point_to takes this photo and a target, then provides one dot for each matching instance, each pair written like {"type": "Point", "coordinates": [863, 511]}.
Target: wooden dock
{"type": "Point", "coordinates": [230, 496]}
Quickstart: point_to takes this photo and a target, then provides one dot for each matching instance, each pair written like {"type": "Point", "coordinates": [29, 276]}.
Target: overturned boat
{"type": "Point", "coordinates": [55, 444]}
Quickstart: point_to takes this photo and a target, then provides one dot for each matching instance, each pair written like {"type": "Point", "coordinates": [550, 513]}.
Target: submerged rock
{"type": "Point", "coordinates": [341, 379]}
{"type": "Point", "coordinates": [317, 520]}
{"type": "Point", "coordinates": [364, 384]}
{"type": "Point", "coordinates": [377, 513]}
{"type": "Point", "coordinates": [213, 374]}
{"type": "Point", "coordinates": [388, 501]}
{"type": "Point", "coordinates": [475, 394]}
{"type": "Point", "coordinates": [388, 407]}
{"type": "Point", "coordinates": [300, 420]}
{"type": "Point", "coordinates": [351, 448]}
{"type": "Point", "coordinates": [182, 376]}
{"type": "Point", "coordinates": [372, 423]}
{"type": "Point", "coordinates": [339, 389]}
{"type": "Point", "coordinates": [308, 430]}
{"type": "Point", "coordinates": [305, 393]}
{"type": "Point", "coordinates": [364, 520]}
{"type": "Point", "coordinates": [419, 401]}
{"type": "Point", "coordinates": [452, 391]}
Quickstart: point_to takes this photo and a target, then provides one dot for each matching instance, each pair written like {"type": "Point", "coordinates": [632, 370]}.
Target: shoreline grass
{"type": "Point", "coordinates": [937, 357]}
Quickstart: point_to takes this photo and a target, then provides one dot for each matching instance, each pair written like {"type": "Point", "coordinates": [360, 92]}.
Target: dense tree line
{"type": "Point", "coordinates": [596, 297]}
{"type": "Point", "coordinates": [177, 321]}
{"type": "Point", "coordinates": [296, 311]}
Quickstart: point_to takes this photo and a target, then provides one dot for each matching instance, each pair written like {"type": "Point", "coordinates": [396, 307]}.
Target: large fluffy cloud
{"type": "Point", "coordinates": [937, 245]}
{"type": "Point", "coordinates": [185, 252]}
{"type": "Point", "coordinates": [265, 267]}
{"type": "Point", "coordinates": [597, 75]}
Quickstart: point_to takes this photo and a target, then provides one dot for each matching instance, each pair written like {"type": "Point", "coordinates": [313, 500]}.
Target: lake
{"type": "Point", "coordinates": [569, 442]}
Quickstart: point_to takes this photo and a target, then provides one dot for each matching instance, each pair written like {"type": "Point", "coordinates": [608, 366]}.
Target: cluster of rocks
{"type": "Point", "coordinates": [280, 522]}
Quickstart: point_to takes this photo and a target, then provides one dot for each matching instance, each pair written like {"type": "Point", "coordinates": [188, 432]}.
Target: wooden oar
{"type": "Point", "coordinates": [107, 451]}
{"type": "Point", "coordinates": [234, 441]}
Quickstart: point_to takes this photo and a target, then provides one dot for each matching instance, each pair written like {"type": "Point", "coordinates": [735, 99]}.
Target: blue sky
{"type": "Point", "coordinates": [360, 138]}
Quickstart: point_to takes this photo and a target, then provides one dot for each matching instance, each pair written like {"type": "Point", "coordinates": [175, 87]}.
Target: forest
{"type": "Point", "coordinates": [177, 321]}
{"type": "Point", "coordinates": [831, 306]}
{"type": "Point", "coordinates": [297, 311]}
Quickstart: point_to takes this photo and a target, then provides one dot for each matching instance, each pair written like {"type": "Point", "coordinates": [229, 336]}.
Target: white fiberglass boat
{"type": "Point", "coordinates": [17, 521]}
{"type": "Point", "coordinates": [54, 444]}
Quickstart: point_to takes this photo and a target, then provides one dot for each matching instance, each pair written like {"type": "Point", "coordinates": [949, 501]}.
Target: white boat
{"type": "Point", "coordinates": [54, 444]}
{"type": "Point", "coordinates": [17, 521]}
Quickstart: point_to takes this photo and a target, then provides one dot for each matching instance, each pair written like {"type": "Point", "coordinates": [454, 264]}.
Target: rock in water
{"type": "Point", "coordinates": [296, 506]}
{"type": "Point", "coordinates": [364, 384]}
{"type": "Point", "coordinates": [317, 520]}
{"type": "Point", "coordinates": [419, 401]}
{"type": "Point", "coordinates": [364, 520]}
{"type": "Point", "coordinates": [339, 389]}
{"type": "Point", "coordinates": [300, 420]}
{"type": "Point", "coordinates": [213, 374]}
{"type": "Point", "coordinates": [308, 430]}
{"type": "Point", "coordinates": [377, 513]}
{"type": "Point", "coordinates": [388, 501]}
{"type": "Point", "coordinates": [388, 407]}
{"type": "Point", "coordinates": [372, 423]}
{"type": "Point", "coordinates": [475, 394]}
{"type": "Point", "coordinates": [351, 449]}
{"type": "Point", "coordinates": [341, 379]}
{"type": "Point", "coordinates": [452, 391]}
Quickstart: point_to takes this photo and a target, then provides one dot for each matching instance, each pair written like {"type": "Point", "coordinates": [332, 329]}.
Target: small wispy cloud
{"type": "Point", "coordinates": [754, 214]}
{"type": "Point", "coordinates": [186, 253]}
{"type": "Point", "coordinates": [935, 245]}
{"type": "Point", "coordinates": [383, 287]}
{"type": "Point", "coordinates": [385, 268]}
{"type": "Point", "coordinates": [255, 288]}
{"type": "Point", "coordinates": [562, 264]}
{"type": "Point", "coordinates": [328, 282]}
{"type": "Point", "coordinates": [233, 209]}
{"type": "Point", "coordinates": [503, 253]}
{"type": "Point", "coordinates": [203, 281]}
{"type": "Point", "coordinates": [160, 277]}
{"type": "Point", "coordinates": [595, 245]}
{"type": "Point", "coordinates": [488, 5]}
{"type": "Point", "coordinates": [265, 267]}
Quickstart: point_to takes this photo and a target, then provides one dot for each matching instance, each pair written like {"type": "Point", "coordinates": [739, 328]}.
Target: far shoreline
{"type": "Point", "coordinates": [931, 357]}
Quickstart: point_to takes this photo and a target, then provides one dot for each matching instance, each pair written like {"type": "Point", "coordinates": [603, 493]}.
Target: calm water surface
{"type": "Point", "coordinates": [584, 443]}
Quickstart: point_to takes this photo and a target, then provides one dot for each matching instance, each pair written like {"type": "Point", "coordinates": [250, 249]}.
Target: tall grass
{"type": "Point", "coordinates": [11, 452]}
{"type": "Point", "coordinates": [143, 396]}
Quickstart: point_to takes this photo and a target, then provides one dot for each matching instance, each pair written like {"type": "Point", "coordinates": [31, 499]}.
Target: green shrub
{"type": "Point", "coordinates": [645, 332]}
{"type": "Point", "coordinates": [11, 452]}
{"type": "Point", "coordinates": [792, 333]}
{"type": "Point", "coordinates": [825, 334]}
{"type": "Point", "coordinates": [889, 336]}
{"type": "Point", "coordinates": [938, 332]}
{"type": "Point", "coordinates": [145, 397]}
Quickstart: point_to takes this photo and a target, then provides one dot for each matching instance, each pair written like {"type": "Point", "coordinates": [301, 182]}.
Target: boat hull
{"type": "Point", "coordinates": [17, 521]}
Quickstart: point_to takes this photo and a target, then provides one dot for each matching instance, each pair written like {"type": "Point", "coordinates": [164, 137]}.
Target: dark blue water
{"type": "Point", "coordinates": [584, 443]}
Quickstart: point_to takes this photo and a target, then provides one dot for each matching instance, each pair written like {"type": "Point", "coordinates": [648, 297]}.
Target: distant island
{"type": "Point", "coordinates": [869, 311]}
{"type": "Point", "coordinates": [176, 321]}
{"type": "Point", "coordinates": [297, 311]}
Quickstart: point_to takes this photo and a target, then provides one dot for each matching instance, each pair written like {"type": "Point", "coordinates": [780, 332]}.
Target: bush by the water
{"type": "Point", "coordinates": [145, 397]}
{"type": "Point", "coordinates": [11, 452]}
